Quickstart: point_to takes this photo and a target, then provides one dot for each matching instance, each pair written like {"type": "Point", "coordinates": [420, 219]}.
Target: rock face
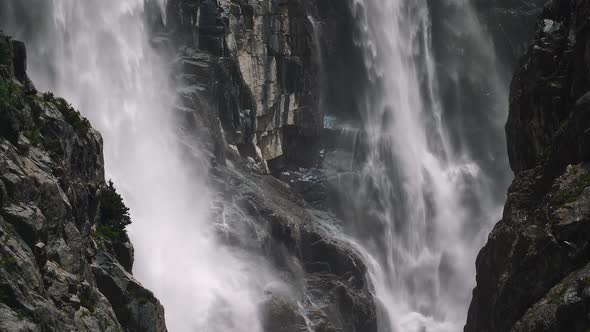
{"type": "Point", "coordinates": [247, 78]}
{"type": "Point", "coordinates": [532, 275]}
{"type": "Point", "coordinates": [269, 218]}
{"type": "Point", "coordinates": [58, 270]}
{"type": "Point", "coordinates": [251, 63]}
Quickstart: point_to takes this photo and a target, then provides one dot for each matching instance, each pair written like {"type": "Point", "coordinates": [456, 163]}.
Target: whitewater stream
{"type": "Point", "coordinates": [427, 188]}
{"type": "Point", "coordinates": [426, 192]}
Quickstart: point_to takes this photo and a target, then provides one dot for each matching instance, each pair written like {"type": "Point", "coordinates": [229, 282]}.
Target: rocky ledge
{"type": "Point", "coordinates": [533, 273]}
{"type": "Point", "coordinates": [65, 259]}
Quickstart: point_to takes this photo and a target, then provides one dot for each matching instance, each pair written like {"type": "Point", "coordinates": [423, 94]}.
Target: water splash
{"type": "Point", "coordinates": [423, 198]}
{"type": "Point", "coordinates": [98, 56]}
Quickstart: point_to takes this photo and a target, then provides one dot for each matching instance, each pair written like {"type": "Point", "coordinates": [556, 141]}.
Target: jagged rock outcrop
{"type": "Point", "coordinates": [532, 275]}
{"type": "Point", "coordinates": [247, 81]}
{"type": "Point", "coordinates": [251, 64]}
{"type": "Point", "coordinates": [61, 269]}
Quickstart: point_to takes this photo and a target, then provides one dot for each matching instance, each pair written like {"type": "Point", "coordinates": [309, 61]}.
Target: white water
{"type": "Point", "coordinates": [413, 202]}
{"type": "Point", "coordinates": [96, 54]}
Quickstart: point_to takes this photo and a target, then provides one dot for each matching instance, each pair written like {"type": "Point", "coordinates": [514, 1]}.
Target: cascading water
{"type": "Point", "coordinates": [422, 199]}
{"type": "Point", "coordinates": [97, 55]}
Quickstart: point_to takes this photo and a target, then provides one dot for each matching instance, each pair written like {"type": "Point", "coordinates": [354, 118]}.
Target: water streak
{"type": "Point", "coordinates": [423, 199]}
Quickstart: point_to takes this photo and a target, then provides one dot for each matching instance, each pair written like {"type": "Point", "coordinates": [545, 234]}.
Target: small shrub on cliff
{"type": "Point", "coordinates": [9, 92]}
{"type": "Point", "coordinates": [8, 262]}
{"type": "Point", "coordinates": [73, 117]}
{"type": "Point", "coordinates": [114, 214]}
{"type": "Point", "coordinates": [48, 96]}
{"type": "Point", "coordinates": [34, 136]}
{"type": "Point", "coordinates": [575, 189]}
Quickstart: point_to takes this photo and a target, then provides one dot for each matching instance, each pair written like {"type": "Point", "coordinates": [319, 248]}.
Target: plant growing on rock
{"type": "Point", "coordinates": [73, 117]}
{"type": "Point", "coordinates": [34, 136]}
{"type": "Point", "coordinates": [114, 214]}
{"type": "Point", "coordinates": [9, 92]}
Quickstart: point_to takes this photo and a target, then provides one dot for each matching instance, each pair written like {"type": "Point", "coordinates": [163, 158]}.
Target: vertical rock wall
{"type": "Point", "coordinates": [58, 270]}
{"type": "Point", "coordinates": [253, 62]}
{"type": "Point", "coordinates": [533, 273]}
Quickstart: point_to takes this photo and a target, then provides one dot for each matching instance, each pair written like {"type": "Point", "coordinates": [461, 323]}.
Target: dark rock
{"type": "Point", "coordinates": [19, 60]}
{"type": "Point", "coordinates": [327, 274]}
{"type": "Point", "coordinates": [262, 83]}
{"type": "Point", "coordinates": [50, 173]}
{"type": "Point", "coordinates": [529, 272]}
{"type": "Point", "coordinates": [136, 307]}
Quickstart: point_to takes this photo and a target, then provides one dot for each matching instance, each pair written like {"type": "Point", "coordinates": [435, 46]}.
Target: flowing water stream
{"type": "Point", "coordinates": [426, 189]}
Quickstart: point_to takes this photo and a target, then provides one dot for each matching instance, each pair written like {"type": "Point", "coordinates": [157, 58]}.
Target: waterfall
{"type": "Point", "coordinates": [423, 185]}
{"type": "Point", "coordinates": [423, 197]}
{"type": "Point", "coordinates": [98, 56]}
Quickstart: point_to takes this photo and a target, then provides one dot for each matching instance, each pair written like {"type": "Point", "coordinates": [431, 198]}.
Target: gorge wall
{"type": "Point", "coordinates": [252, 65]}
{"type": "Point", "coordinates": [533, 274]}
{"type": "Point", "coordinates": [249, 72]}
{"type": "Point", "coordinates": [62, 266]}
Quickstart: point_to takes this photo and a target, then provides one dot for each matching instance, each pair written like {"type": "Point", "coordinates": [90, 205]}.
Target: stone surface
{"type": "Point", "coordinates": [252, 65]}
{"type": "Point", "coordinates": [269, 218]}
{"type": "Point", "coordinates": [531, 272]}
{"type": "Point", "coordinates": [54, 267]}
{"type": "Point", "coordinates": [246, 76]}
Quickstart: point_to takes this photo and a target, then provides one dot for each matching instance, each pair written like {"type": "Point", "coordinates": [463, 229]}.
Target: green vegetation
{"type": "Point", "coordinates": [573, 190]}
{"type": "Point", "coordinates": [34, 136]}
{"type": "Point", "coordinates": [8, 262]}
{"type": "Point", "coordinates": [9, 94]}
{"type": "Point", "coordinates": [114, 215]}
{"type": "Point", "coordinates": [73, 117]}
{"type": "Point", "coordinates": [87, 303]}
{"type": "Point", "coordinates": [108, 232]}
{"type": "Point", "coordinates": [556, 295]}
{"type": "Point", "coordinates": [48, 97]}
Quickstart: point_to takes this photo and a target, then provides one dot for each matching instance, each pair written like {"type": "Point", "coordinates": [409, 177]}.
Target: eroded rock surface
{"type": "Point", "coordinates": [247, 76]}
{"type": "Point", "coordinates": [57, 272]}
{"type": "Point", "coordinates": [532, 273]}
{"type": "Point", "coordinates": [251, 64]}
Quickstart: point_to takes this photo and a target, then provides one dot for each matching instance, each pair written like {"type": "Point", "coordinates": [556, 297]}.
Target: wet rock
{"type": "Point", "coordinates": [529, 273]}
{"type": "Point", "coordinates": [330, 287]}
{"type": "Point", "coordinates": [260, 81]}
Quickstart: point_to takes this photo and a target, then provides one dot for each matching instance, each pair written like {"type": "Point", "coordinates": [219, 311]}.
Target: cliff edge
{"type": "Point", "coordinates": [65, 259]}
{"type": "Point", "coordinates": [534, 272]}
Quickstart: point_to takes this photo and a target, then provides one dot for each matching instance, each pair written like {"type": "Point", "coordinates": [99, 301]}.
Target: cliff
{"type": "Point", "coordinates": [65, 260]}
{"type": "Point", "coordinates": [247, 77]}
{"type": "Point", "coordinates": [253, 66]}
{"type": "Point", "coordinates": [534, 272]}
